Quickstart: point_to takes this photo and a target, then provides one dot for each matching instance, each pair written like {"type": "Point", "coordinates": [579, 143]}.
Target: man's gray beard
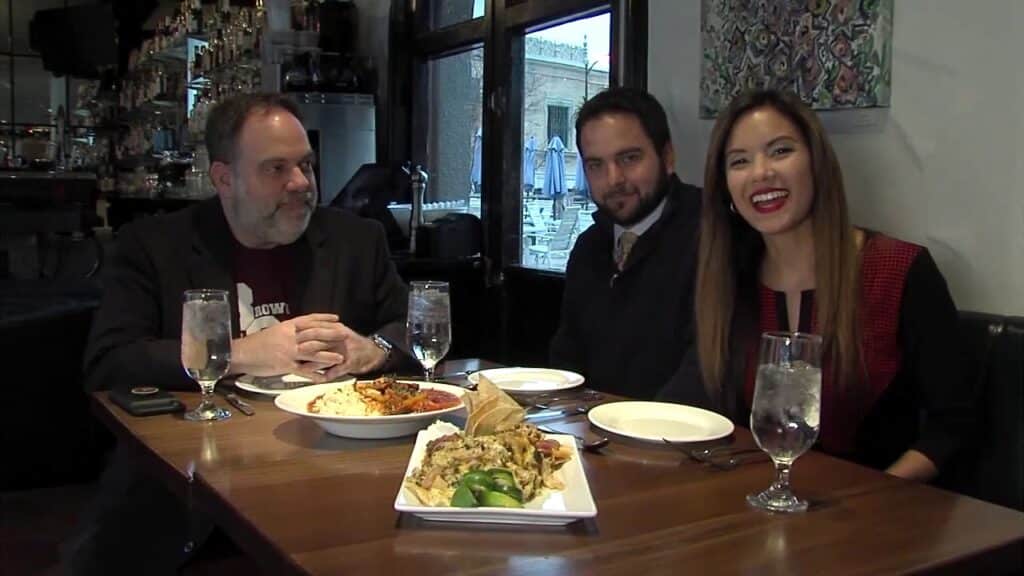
{"type": "Point", "coordinates": [646, 206]}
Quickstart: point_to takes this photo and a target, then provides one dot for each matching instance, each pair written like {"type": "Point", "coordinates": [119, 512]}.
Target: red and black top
{"type": "Point", "coordinates": [916, 393]}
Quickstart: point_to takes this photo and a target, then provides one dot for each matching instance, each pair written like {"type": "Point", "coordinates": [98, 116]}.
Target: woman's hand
{"type": "Point", "coordinates": [913, 465]}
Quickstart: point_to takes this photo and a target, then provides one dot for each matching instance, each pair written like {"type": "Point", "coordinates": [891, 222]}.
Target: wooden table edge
{"type": "Point", "coordinates": [177, 481]}
{"type": "Point", "coordinates": [271, 557]}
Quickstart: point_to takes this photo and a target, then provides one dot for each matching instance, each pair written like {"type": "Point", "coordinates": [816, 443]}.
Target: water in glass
{"type": "Point", "coordinates": [787, 402]}
{"type": "Point", "coordinates": [785, 416]}
{"type": "Point", "coordinates": [428, 327]}
{"type": "Point", "coordinates": [206, 346]}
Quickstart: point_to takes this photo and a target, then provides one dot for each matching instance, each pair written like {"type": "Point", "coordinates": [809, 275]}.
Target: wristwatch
{"type": "Point", "coordinates": [382, 343]}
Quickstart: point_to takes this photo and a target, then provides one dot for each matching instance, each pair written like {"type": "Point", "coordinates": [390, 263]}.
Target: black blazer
{"type": "Point", "coordinates": [630, 332]}
{"type": "Point", "coordinates": [343, 267]}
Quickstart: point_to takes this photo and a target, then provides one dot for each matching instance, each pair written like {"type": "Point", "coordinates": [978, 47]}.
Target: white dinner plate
{"type": "Point", "coordinates": [274, 385]}
{"type": "Point", "coordinates": [297, 402]}
{"type": "Point", "coordinates": [654, 421]}
{"type": "Point", "coordinates": [551, 508]}
{"type": "Point", "coordinates": [529, 380]}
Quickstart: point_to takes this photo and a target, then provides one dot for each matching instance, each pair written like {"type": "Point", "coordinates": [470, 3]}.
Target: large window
{"type": "Point", "coordinates": [453, 133]}
{"type": "Point", "coordinates": [493, 92]}
{"type": "Point", "coordinates": [564, 65]}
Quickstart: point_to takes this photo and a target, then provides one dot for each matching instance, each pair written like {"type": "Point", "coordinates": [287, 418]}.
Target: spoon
{"type": "Point", "coordinates": [456, 374]}
{"type": "Point", "coordinates": [456, 379]}
{"type": "Point", "coordinates": [594, 445]}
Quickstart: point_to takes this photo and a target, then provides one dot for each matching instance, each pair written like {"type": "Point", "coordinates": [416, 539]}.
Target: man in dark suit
{"type": "Point", "coordinates": [313, 292]}
{"type": "Point", "coordinates": [627, 310]}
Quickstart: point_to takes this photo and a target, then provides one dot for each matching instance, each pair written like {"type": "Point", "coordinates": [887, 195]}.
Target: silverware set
{"type": "Point", "coordinates": [566, 412]}
{"type": "Point", "coordinates": [550, 404]}
{"type": "Point", "coordinates": [592, 445]}
{"type": "Point", "coordinates": [722, 457]}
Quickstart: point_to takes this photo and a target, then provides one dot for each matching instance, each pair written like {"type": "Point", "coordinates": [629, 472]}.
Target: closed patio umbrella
{"type": "Point", "coordinates": [582, 187]}
{"type": "Point", "coordinates": [554, 174]}
{"type": "Point", "coordinates": [554, 169]}
{"type": "Point", "coordinates": [475, 170]}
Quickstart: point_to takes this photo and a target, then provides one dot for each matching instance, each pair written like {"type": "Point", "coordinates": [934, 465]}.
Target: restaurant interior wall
{"type": "Point", "coordinates": [373, 43]}
{"type": "Point", "coordinates": [942, 167]}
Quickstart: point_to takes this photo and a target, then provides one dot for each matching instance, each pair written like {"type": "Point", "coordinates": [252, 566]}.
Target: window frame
{"type": "Point", "coordinates": [11, 129]}
{"type": "Point", "coordinates": [501, 32]}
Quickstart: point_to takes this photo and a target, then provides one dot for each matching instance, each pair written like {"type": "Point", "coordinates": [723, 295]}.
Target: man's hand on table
{"type": "Point", "coordinates": [289, 347]}
{"type": "Point", "coordinates": [358, 353]}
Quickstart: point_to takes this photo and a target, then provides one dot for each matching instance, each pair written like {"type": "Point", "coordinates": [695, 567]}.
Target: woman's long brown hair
{"type": "Point", "coordinates": [730, 252]}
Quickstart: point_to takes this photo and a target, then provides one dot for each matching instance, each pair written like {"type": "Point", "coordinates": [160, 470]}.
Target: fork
{"type": "Point", "coordinates": [705, 455]}
{"type": "Point", "coordinates": [708, 453]}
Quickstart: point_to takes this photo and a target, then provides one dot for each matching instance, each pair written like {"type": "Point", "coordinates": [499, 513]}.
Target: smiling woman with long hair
{"type": "Point", "coordinates": [778, 252]}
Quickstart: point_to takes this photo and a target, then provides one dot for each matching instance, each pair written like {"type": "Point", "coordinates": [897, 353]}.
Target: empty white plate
{"type": "Point", "coordinates": [274, 385]}
{"type": "Point", "coordinates": [654, 421]}
{"type": "Point", "coordinates": [529, 380]}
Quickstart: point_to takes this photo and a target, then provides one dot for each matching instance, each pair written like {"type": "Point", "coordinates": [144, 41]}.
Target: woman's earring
{"type": "Point", "coordinates": [732, 207]}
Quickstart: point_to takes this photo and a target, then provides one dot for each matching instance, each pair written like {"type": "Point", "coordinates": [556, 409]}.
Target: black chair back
{"type": "Point", "coordinates": [992, 468]}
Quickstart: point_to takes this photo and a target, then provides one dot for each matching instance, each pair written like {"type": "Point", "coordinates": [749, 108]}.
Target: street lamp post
{"type": "Point", "coordinates": [586, 79]}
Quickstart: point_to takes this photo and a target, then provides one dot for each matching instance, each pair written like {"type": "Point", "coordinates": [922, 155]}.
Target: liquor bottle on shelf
{"type": "Point", "coordinates": [197, 60]}
{"type": "Point", "coordinates": [196, 10]}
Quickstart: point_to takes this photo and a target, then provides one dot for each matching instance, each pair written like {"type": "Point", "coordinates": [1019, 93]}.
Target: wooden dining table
{"type": "Point", "coordinates": [300, 501]}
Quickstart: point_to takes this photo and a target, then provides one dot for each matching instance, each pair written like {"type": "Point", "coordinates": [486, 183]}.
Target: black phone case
{"type": "Point", "coordinates": [146, 403]}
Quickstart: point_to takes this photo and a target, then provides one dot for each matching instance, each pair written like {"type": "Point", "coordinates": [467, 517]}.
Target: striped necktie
{"type": "Point", "coordinates": [626, 241]}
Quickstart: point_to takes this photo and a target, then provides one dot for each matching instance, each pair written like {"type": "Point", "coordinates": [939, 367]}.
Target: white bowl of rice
{"type": "Point", "coordinates": [341, 411]}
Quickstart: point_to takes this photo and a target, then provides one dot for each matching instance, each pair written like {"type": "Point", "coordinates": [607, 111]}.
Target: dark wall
{"type": "Point", "coordinates": [49, 435]}
{"type": "Point", "coordinates": [532, 303]}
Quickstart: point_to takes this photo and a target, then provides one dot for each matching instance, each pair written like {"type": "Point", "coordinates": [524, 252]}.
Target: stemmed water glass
{"type": "Point", "coordinates": [206, 346]}
{"type": "Point", "coordinates": [785, 416]}
{"type": "Point", "coordinates": [428, 327]}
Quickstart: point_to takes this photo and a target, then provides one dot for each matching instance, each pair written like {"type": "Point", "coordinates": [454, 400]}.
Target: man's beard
{"type": "Point", "coordinates": [645, 206]}
{"type": "Point", "coordinates": [269, 226]}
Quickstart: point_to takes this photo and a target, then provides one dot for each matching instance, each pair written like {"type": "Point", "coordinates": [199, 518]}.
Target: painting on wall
{"type": "Point", "coordinates": [834, 53]}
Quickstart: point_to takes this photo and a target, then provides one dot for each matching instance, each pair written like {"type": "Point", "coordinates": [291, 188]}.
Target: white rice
{"type": "Point", "coordinates": [343, 401]}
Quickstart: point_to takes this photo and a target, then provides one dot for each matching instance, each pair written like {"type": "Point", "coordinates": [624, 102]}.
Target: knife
{"type": "Point", "coordinates": [277, 383]}
{"type": "Point", "coordinates": [237, 402]}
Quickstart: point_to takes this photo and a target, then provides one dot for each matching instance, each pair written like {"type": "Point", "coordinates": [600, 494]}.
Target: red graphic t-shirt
{"type": "Point", "coordinates": [264, 282]}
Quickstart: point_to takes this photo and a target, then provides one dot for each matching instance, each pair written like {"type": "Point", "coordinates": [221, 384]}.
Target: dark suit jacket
{"type": "Point", "coordinates": [630, 332]}
{"type": "Point", "coordinates": [343, 267]}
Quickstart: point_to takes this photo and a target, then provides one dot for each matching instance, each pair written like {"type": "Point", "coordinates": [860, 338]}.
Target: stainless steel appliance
{"type": "Point", "coordinates": [342, 130]}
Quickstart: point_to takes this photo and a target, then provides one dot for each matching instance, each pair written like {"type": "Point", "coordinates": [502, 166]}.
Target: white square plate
{"type": "Point", "coordinates": [551, 508]}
